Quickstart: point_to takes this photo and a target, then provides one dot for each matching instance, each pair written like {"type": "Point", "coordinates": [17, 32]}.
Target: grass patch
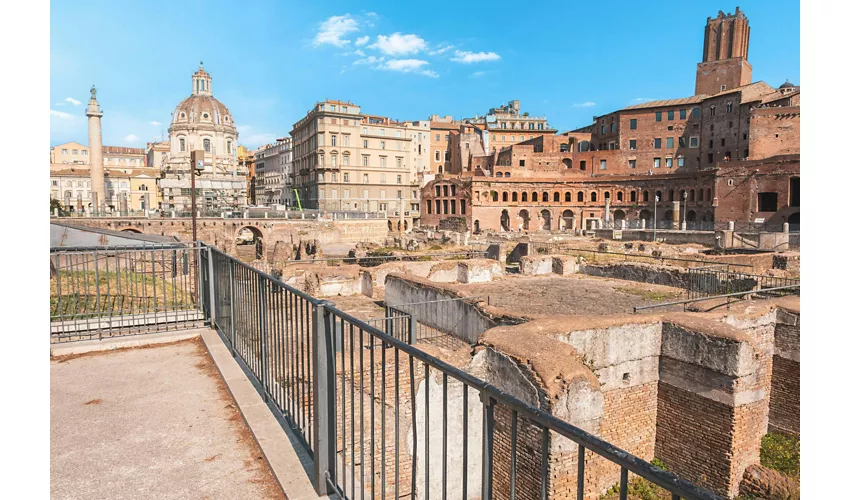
{"type": "Point", "coordinates": [781, 453]}
{"type": "Point", "coordinates": [655, 295]}
{"type": "Point", "coordinates": [640, 488]}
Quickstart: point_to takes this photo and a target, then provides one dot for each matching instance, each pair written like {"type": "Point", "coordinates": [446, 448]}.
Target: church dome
{"type": "Point", "coordinates": [201, 108]}
{"type": "Point", "coordinates": [787, 85]}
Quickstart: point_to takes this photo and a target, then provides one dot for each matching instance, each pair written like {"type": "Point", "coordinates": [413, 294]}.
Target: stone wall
{"type": "Point", "coordinates": [645, 273]}
{"type": "Point", "coordinates": [785, 386]}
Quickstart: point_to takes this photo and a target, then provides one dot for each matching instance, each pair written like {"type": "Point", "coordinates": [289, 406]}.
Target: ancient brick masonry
{"type": "Point", "coordinates": [785, 389]}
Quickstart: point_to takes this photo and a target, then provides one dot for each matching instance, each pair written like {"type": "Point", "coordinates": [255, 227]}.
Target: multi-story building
{"type": "Point", "coordinates": [346, 160]}
{"type": "Point", "coordinates": [202, 123]}
{"type": "Point", "coordinates": [69, 153]}
{"type": "Point", "coordinates": [442, 129]}
{"type": "Point", "coordinates": [272, 167]}
{"type": "Point", "coordinates": [114, 157]}
{"type": "Point", "coordinates": [245, 161]}
{"type": "Point", "coordinates": [72, 186]}
{"type": "Point", "coordinates": [507, 125]}
{"type": "Point", "coordinates": [732, 155]}
{"type": "Point", "coordinates": [156, 154]}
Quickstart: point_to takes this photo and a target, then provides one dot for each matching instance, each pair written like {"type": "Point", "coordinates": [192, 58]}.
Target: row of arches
{"type": "Point", "coordinates": [551, 220]}
{"type": "Point", "coordinates": [618, 196]}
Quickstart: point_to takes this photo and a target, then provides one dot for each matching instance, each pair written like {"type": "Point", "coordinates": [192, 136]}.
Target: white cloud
{"type": "Point", "coordinates": [362, 40]}
{"type": "Point", "coordinates": [478, 74]}
{"type": "Point", "coordinates": [371, 60]}
{"type": "Point", "coordinates": [131, 138]}
{"type": "Point", "coordinates": [586, 104]}
{"type": "Point", "coordinates": [72, 101]}
{"type": "Point", "coordinates": [442, 48]}
{"type": "Point", "coordinates": [643, 99]}
{"type": "Point", "coordinates": [155, 123]}
{"type": "Point", "coordinates": [333, 29]}
{"type": "Point", "coordinates": [400, 65]}
{"type": "Point", "coordinates": [372, 14]}
{"type": "Point", "coordinates": [465, 57]}
{"type": "Point", "coordinates": [61, 114]}
{"type": "Point", "coordinates": [405, 65]}
{"type": "Point", "coordinates": [358, 53]}
{"type": "Point", "coordinates": [398, 44]}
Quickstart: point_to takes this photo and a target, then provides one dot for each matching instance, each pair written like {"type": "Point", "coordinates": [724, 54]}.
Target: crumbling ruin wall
{"type": "Point", "coordinates": [644, 273]}
{"type": "Point", "coordinates": [712, 401]}
{"type": "Point", "coordinates": [785, 383]}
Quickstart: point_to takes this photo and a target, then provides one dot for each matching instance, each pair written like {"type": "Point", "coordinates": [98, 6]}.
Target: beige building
{"type": "Point", "coordinates": [114, 157]}
{"type": "Point", "coordinates": [72, 187]}
{"type": "Point", "coordinates": [156, 155]}
{"type": "Point", "coordinates": [442, 130]}
{"type": "Point", "coordinates": [349, 161]}
{"type": "Point", "coordinates": [69, 153]}
{"type": "Point", "coordinates": [507, 125]}
{"type": "Point", "coordinates": [201, 122]}
{"type": "Point", "coordinates": [144, 194]}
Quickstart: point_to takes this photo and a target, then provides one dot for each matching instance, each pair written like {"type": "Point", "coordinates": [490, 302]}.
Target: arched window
{"type": "Point", "coordinates": [711, 111]}
{"type": "Point", "coordinates": [513, 197]}
{"type": "Point", "coordinates": [593, 196]}
{"type": "Point", "coordinates": [524, 196]}
{"type": "Point", "coordinates": [568, 197]}
{"type": "Point", "coordinates": [729, 107]}
{"type": "Point", "coordinates": [494, 196]}
{"type": "Point", "coordinates": [545, 196]}
{"type": "Point", "coordinates": [507, 174]}
{"type": "Point", "coordinates": [708, 194]}
{"type": "Point", "coordinates": [207, 145]}
{"type": "Point", "coordinates": [633, 196]}
{"type": "Point", "coordinates": [646, 196]}
{"type": "Point", "coordinates": [534, 196]}
{"type": "Point", "coordinates": [580, 196]}
{"type": "Point", "coordinates": [498, 174]}
{"type": "Point", "coordinates": [607, 195]}
{"type": "Point", "coordinates": [504, 196]}
{"type": "Point", "coordinates": [229, 148]}
{"type": "Point", "coordinates": [556, 197]}
{"type": "Point", "coordinates": [565, 148]}
{"type": "Point", "coordinates": [182, 144]}
{"type": "Point", "coordinates": [682, 195]}
{"type": "Point", "coordinates": [658, 196]}
{"type": "Point", "coordinates": [440, 169]}
{"type": "Point", "coordinates": [619, 196]}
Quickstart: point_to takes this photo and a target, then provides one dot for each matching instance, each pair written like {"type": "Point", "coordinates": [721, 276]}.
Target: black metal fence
{"type": "Point", "coordinates": [381, 417]}
{"type": "Point", "coordinates": [98, 292]}
{"type": "Point", "coordinates": [711, 281]}
{"type": "Point", "coordinates": [440, 322]}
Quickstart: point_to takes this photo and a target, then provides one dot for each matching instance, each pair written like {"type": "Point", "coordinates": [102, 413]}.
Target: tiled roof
{"type": "Point", "coordinates": [668, 102]}
{"type": "Point", "coordinates": [749, 93]}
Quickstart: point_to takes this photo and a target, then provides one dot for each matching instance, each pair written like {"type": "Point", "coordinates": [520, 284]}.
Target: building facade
{"type": "Point", "coordinates": [344, 160]}
{"type": "Point", "coordinates": [273, 168]}
{"type": "Point", "coordinates": [201, 122]}
{"type": "Point", "coordinates": [732, 155]}
{"type": "Point", "coordinates": [135, 190]}
{"type": "Point", "coordinates": [245, 161]}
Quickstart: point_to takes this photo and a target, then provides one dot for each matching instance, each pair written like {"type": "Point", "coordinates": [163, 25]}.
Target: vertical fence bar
{"type": "Point", "coordinates": [324, 388]}
{"type": "Point", "coordinates": [264, 339]}
{"type": "Point", "coordinates": [580, 488]}
{"type": "Point", "coordinates": [487, 441]}
{"type": "Point", "coordinates": [211, 280]}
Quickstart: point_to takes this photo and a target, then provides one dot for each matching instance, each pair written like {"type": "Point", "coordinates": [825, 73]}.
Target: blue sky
{"type": "Point", "coordinates": [271, 61]}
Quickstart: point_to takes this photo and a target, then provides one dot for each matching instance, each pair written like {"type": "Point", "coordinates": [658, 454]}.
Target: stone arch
{"type": "Point", "coordinates": [256, 241]}
{"type": "Point", "coordinates": [476, 227]}
{"type": "Point", "coordinates": [505, 220]}
{"type": "Point", "coordinates": [514, 197]}
{"type": "Point", "coordinates": [547, 219]}
{"type": "Point", "coordinates": [556, 197]}
{"type": "Point", "coordinates": [645, 215]}
{"type": "Point", "coordinates": [524, 196]}
{"type": "Point", "coordinates": [504, 196]}
{"type": "Point", "coordinates": [526, 219]}
{"type": "Point", "coordinates": [567, 219]}
{"type": "Point", "coordinates": [619, 215]}
{"type": "Point", "coordinates": [534, 196]}
{"type": "Point", "coordinates": [131, 230]}
{"type": "Point", "coordinates": [692, 216]}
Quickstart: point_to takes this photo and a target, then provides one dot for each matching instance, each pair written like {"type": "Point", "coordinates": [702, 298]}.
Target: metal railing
{"type": "Point", "coordinates": [376, 260]}
{"type": "Point", "coordinates": [98, 292]}
{"type": "Point", "coordinates": [381, 417]}
{"type": "Point", "coordinates": [780, 290]}
{"type": "Point", "coordinates": [440, 322]}
{"type": "Point", "coordinates": [711, 281]}
{"type": "Point", "coordinates": [550, 248]}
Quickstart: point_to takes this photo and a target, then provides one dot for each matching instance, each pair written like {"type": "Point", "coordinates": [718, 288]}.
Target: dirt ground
{"type": "Point", "coordinates": [573, 295]}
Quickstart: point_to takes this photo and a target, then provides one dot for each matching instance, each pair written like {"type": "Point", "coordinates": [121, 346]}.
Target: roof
{"type": "Point", "coordinates": [749, 93]}
{"type": "Point", "coordinates": [123, 150]}
{"type": "Point", "coordinates": [669, 102]}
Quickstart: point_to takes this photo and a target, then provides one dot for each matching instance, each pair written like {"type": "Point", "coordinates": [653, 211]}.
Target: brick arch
{"type": "Point", "coordinates": [131, 230]}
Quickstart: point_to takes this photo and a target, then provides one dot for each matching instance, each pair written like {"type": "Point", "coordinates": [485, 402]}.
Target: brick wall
{"type": "Point", "coordinates": [785, 382]}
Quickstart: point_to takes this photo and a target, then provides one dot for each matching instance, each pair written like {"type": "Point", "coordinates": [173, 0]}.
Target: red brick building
{"type": "Point", "coordinates": [681, 151]}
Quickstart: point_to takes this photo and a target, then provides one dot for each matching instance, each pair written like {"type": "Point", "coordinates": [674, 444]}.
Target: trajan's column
{"type": "Point", "coordinates": [96, 153]}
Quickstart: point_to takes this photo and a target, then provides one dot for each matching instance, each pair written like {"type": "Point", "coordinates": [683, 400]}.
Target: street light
{"type": "Point", "coordinates": [685, 210]}
{"type": "Point", "coordinates": [655, 219]}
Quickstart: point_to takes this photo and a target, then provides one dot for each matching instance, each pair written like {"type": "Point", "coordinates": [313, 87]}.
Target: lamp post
{"type": "Point", "coordinates": [685, 210]}
{"type": "Point", "coordinates": [655, 219]}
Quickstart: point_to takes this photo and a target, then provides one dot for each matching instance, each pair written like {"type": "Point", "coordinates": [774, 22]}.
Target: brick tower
{"type": "Point", "coordinates": [724, 63]}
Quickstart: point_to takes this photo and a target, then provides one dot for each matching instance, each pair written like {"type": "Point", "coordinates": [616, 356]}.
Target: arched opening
{"type": "Point", "coordinates": [580, 196]}
{"type": "Point", "coordinates": [692, 195]}
{"type": "Point", "coordinates": [524, 196]}
{"type": "Point", "coordinates": [405, 224]}
{"type": "Point", "coordinates": [708, 195]}
{"type": "Point", "coordinates": [440, 169]}
{"type": "Point", "coordinates": [619, 215]}
{"type": "Point", "coordinates": [504, 196]}
{"type": "Point", "coordinates": [568, 163]}
{"type": "Point", "coordinates": [534, 196]}
{"type": "Point", "coordinates": [567, 219]}
{"type": "Point", "coordinates": [494, 196]}
{"type": "Point", "coordinates": [131, 230]}
{"type": "Point", "coordinates": [207, 146]}
{"type": "Point", "coordinates": [249, 243]}
{"type": "Point", "coordinates": [701, 194]}
{"type": "Point", "coordinates": [645, 215]}
{"type": "Point", "coordinates": [568, 197]}
{"type": "Point", "coordinates": [498, 174]}
{"type": "Point", "coordinates": [547, 220]}
{"type": "Point", "coordinates": [672, 195]}
{"type": "Point", "coordinates": [658, 196]}
{"type": "Point", "coordinates": [593, 196]}
{"type": "Point", "coordinates": [682, 195]}
{"type": "Point", "coordinates": [564, 148]}
{"type": "Point", "coordinates": [619, 196]}
{"type": "Point", "coordinates": [390, 223]}
{"type": "Point", "coordinates": [513, 197]}
{"type": "Point", "coordinates": [545, 197]}
{"type": "Point", "coordinates": [476, 227]}
{"type": "Point", "coordinates": [668, 215]}
{"type": "Point", "coordinates": [794, 222]}
{"type": "Point", "coordinates": [646, 196]}
{"type": "Point", "coordinates": [556, 197]}
{"type": "Point", "coordinates": [692, 216]}
{"type": "Point", "coordinates": [523, 214]}
{"type": "Point", "coordinates": [505, 220]}
{"type": "Point", "coordinates": [633, 196]}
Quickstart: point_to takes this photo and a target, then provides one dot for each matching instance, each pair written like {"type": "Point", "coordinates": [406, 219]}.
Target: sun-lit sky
{"type": "Point", "coordinates": [271, 61]}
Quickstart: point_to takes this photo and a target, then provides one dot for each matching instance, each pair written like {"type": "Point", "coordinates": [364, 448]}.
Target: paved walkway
{"type": "Point", "coordinates": [153, 422]}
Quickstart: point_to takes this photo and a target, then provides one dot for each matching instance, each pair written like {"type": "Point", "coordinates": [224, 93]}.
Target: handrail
{"type": "Point", "coordinates": [736, 294]}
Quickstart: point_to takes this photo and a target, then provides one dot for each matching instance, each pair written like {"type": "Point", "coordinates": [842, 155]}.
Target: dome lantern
{"type": "Point", "coordinates": [201, 82]}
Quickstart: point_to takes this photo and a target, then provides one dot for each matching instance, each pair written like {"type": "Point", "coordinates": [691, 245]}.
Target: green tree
{"type": "Point", "coordinates": [54, 204]}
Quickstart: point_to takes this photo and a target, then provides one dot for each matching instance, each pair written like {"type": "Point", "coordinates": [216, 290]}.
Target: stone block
{"type": "Point", "coordinates": [535, 265]}
{"type": "Point", "coordinates": [564, 264]}
{"type": "Point", "coordinates": [478, 271]}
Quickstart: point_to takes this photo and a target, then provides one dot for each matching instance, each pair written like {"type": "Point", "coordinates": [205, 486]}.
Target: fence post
{"type": "Point", "coordinates": [412, 328]}
{"type": "Point", "coordinates": [487, 443]}
{"type": "Point", "coordinates": [324, 390]}
{"type": "Point", "coordinates": [232, 307]}
{"type": "Point", "coordinates": [212, 286]}
{"type": "Point", "coordinates": [264, 362]}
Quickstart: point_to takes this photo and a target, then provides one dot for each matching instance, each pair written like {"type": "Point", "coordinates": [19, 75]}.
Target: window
{"type": "Point", "coordinates": [658, 116]}
{"type": "Point", "coordinates": [383, 178]}
{"type": "Point", "coordinates": [657, 143]}
{"type": "Point", "coordinates": [429, 206]}
{"type": "Point", "coordinates": [564, 148]}
{"type": "Point", "coordinates": [365, 159]}
{"type": "Point", "coordinates": [743, 136]}
{"type": "Point", "coordinates": [603, 132]}
{"type": "Point", "coordinates": [345, 140]}
{"type": "Point", "coordinates": [75, 151]}
{"type": "Point", "coordinates": [524, 197]}
{"type": "Point", "coordinates": [64, 151]}
{"type": "Point", "coordinates": [345, 160]}
{"type": "Point", "coordinates": [556, 197]}
{"type": "Point", "coordinates": [582, 165]}
{"type": "Point", "coordinates": [795, 192]}
{"type": "Point", "coordinates": [333, 140]}
{"type": "Point", "coordinates": [694, 142]}
{"type": "Point", "coordinates": [683, 113]}
{"type": "Point", "coordinates": [723, 141]}
{"type": "Point", "coordinates": [580, 196]}
{"type": "Point", "coordinates": [437, 190]}
{"type": "Point", "coordinates": [333, 161]}
{"type": "Point", "coordinates": [632, 163]}
{"type": "Point", "coordinates": [534, 196]}
{"type": "Point", "coordinates": [454, 206]}
{"type": "Point", "coordinates": [454, 191]}
{"type": "Point", "coordinates": [671, 115]}
{"type": "Point", "coordinates": [711, 143]}
{"type": "Point", "coordinates": [437, 155]}
{"type": "Point", "coordinates": [729, 107]}
{"type": "Point", "coordinates": [768, 202]}
{"type": "Point", "coordinates": [681, 161]}
{"type": "Point", "coordinates": [365, 179]}
{"type": "Point", "coordinates": [633, 124]}
{"type": "Point", "coordinates": [85, 152]}
{"type": "Point", "coordinates": [522, 163]}
{"type": "Point", "coordinates": [568, 197]}
{"type": "Point", "coordinates": [383, 145]}
{"type": "Point", "coordinates": [345, 177]}
{"type": "Point", "coordinates": [632, 143]}
{"type": "Point", "coordinates": [383, 161]}
{"type": "Point", "coordinates": [513, 196]}
{"type": "Point", "coordinates": [668, 162]}
{"type": "Point", "coordinates": [207, 145]}
{"type": "Point", "coordinates": [365, 143]}
{"type": "Point", "coordinates": [182, 144]}
{"type": "Point", "coordinates": [593, 196]}
{"type": "Point", "coordinates": [656, 162]}
{"type": "Point", "coordinates": [695, 113]}
{"type": "Point", "coordinates": [398, 179]}
{"type": "Point", "coordinates": [669, 142]}
{"type": "Point", "coordinates": [463, 207]}
{"type": "Point", "coordinates": [603, 164]}
{"type": "Point", "coordinates": [620, 196]}
{"type": "Point", "coordinates": [711, 111]}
